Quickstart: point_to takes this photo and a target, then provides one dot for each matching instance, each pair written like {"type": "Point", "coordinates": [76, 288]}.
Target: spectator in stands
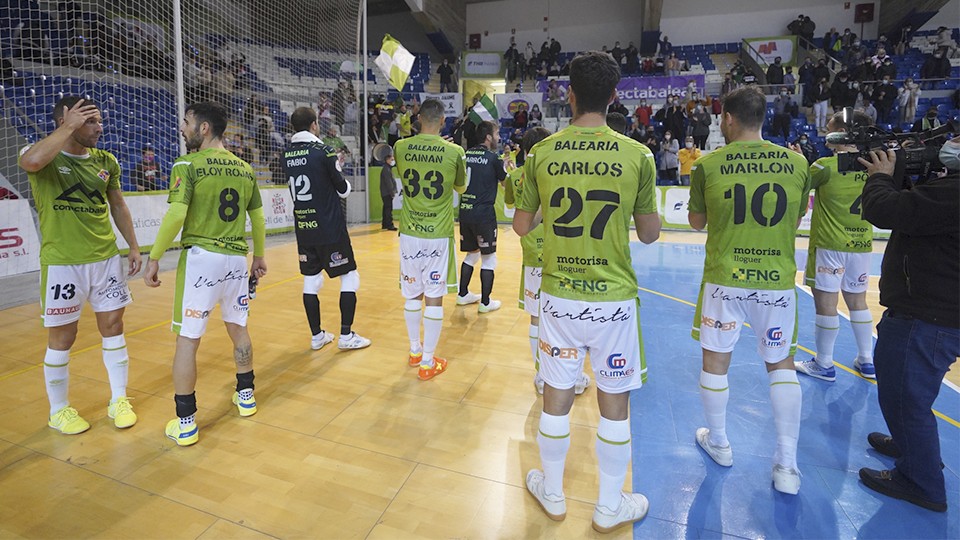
{"type": "Point", "coordinates": [775, 74]}
{"type": "Point", "coordinates": [535, 118]}
{"type": "Point", "coordinates": [544, 55]}
{"type": "Point", "coordinates": [618, 107]}
{"type": "Point", "coordinates": [687, 155]}
{"type": "Point", "coordinates": [928, 121]}
{"type": "Point", "coordinates": [842, 93]}
{"type": "Point", "coordinates": [944, 41]}
{"type": "Point", "coordinates": [333, 141]}
{"type": "Point", "coordinates": [512, 59]}
{"type": "Point", "coordinates": [617, 53]}
{"type": "Point", "coordinates": [669, 161]}
{"type": "Point", "coordinates": [847, 38]}
{"type": "Point", "coordinates": [806, 148]}
{"type": "Point", "coordinates": [146, 175]}
{"type": "Point", "coordinates": [351, 114]}
{"type": "Point", "coordinates": [789, 80]}
{"type": "Point", "coordinates": [554, 49]}
{"type": "Point", "coordinates": [553, 70]}
{"type": "Point", "coordinates": [633, 58]}
{"type": "Point", "coordinates": [820, 98]}
{"type": "Point", "coordinates": [855, 54]}
{"type": "Point", "coordinates": [325, 112]}
{"type": "Point", "coordinates": [863, 92]}
{"type": "Point", "coordinates": [716, 107]}
{"type": "Point", "coordinates": [935, 66]}
{"type": "Point", "coordinates": [393, 130]}
{"type": "Point", "coordinates": [642, 114]}
{"type": "Point", "coordinates": [405, 119]}
{"type": "Point", "coordinates": [529, 53]}
{"type": "Point", "coordinates": [521, 118]}
{"type": "Point", "coordinates": [339, 100]}
{"type": "Point", "coordinates": [821, 71]}
{"type": "Point", "coordinates": [533, 65]}
{"type": "Point", "coordinates": [906, 35]}
{"type": "Point", "coordinates": [783, 107]}
{"type": "Point", "coordinates": [446, 76]}
{"type": "Point", "coordinates": [869, 110]}
{"type": "Point", "coordinates": [556, 99]}
{"type": "Point", "coordinates": [749, 77]}
{"type": "Point", "coordinates": [388, 189]}
{"type": "Point", "coordinates": [729, 85]}
{"type": "Point", "coordinates": [884, 96]}
{"type": "Point", "coordinates": [659, 65]}
{"type": "Point", "coordinates": [241, 149]}
{"type": "Point", "coordinates": [373, 126]}
{"type": "Point", "coordinates": [652, 141]}
{"type": "Point", "coordinates": [795, 26]}
{"type": "Point", "coordinates": [700, 124]}
{"type": "Point", "coordinates": [637, 131]}
{"type": "Point", "coordinates": [664, 47]}
{"type": "Point", "coordinates": [808, 28]}
{"type": "Point", "coordinates": [829, 40]}
{"type": "Point", "coordinates": [879, 58]}
{"type": "Point", "coordinates": [887, 69]}
{"type": "Point", "coordinates": [864, 71]}
{"type": "Point", "coordinates": [909, 98]}
{"type": "Point", "coordinates": [673, 65]}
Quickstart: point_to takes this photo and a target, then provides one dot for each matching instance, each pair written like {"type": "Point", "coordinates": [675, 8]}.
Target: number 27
{"type": "Point", "coordinates": [561, 227]}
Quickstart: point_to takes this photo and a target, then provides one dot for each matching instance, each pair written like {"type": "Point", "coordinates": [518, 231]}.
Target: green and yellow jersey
{"type": "Point", "coordinates": [753, 193]}
{"type": "Point", "coordinates": [532, 243]}
{"type": "Point", "coordinates": [837, 222]}
{"type": "Point", "coordinates": [588, 181]}
{"type": "Point", "coordinates": [430, 169]}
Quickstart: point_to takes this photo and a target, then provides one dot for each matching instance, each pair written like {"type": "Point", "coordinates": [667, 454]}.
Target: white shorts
{"type": "Point", "coordinates": [530, 289]}
{"type": "Point", "coordinates": [205, 279]}
{"type": "Point", "coordinates": [609, 331]}
{"type": "Point", "coordinates": [63, 289]}
{"type": "Point", "coordinates": [833, 271]}
{"type": "Point", "coordinates": [427, 267]}
{"type": "Point", "coordinates": [721, 312]}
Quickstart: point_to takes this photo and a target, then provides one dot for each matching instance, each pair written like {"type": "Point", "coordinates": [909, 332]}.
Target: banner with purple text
{"type": "Point", "coordinates": [651, 88]}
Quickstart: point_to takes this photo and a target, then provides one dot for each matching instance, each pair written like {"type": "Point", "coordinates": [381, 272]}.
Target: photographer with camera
{"type": "Point", "coordinates": [919, 334]}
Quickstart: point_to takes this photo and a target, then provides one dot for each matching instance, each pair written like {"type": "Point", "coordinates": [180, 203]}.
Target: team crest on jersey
{"type": "Point", "coordinates": [176, 183]}
{"type": "Point", "coordinates": [104, 175]}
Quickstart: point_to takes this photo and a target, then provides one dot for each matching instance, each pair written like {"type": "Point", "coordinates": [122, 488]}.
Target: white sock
{"type": "Point", "coordinates": [116, 360]}
{"type": "Point", "coordinates": [432, 324]}
{"type": "Point", "coordinates": [554, 441]}
{"type": "Point", "coordinates": [828, 326]}
{"type": "Point", "coordinates": [412, 314]}
{"type": "Point", "coordinates": [714, 394]}
{"type": "Point", "coordinates": [535, 345]}
{"type": "Point", "coordinates": [246, 393]}
{"type": "Point", "coordinates": [862, 323]}
{"type": "Point", "coordinates": [56, 375]}
{"type": "Point", "coordinates": [786, 399]}
{"type": "Point", "coordinates": [188, 421]}
{"type": "Point", "coordinates": [613, 457]}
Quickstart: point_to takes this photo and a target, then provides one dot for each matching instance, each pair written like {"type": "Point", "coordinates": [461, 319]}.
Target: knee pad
{"type": "Point", "coordinates": [350, 282]}
{"type": "Point", "coordinates": [489, 261]}
{"type": "Point", "coordinates": [412, 305]}
{"type": "Point", "coordinates": [472, 258]}
{"type": "Point", "coordinates": [312, 284]}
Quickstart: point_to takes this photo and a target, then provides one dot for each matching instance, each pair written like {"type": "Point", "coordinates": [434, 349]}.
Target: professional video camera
{"type": "Point", "coordinates": [914, 156]}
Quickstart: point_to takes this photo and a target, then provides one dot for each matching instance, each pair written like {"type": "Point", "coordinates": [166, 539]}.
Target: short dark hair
{"type": "Point", "coordinates": [302, 118]}
{"type": "Point", "coordinates": [860, 118]}
{"type": "Point", "coordinates": [485, 128]}
{"type": "Point", "coordinates": [532, 137]}
{"type": "Point", "coordinates": [593, 78]}
{"type": "Point", "coordinates": [432, 111]}
{"type": "Point", "coordinates": [747, 104]}
{"type": "Point", "coordinates": [617, 122]}
{"type": "Point", "coordinates": [69, 102]}
{"type": "Point", "coordinates": [212, 113]}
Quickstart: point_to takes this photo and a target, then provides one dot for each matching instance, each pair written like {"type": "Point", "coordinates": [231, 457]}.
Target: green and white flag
{"type": "Point", "coordinates": [395, 62]}
{"type": "Point", "coordinates": [483, 110]}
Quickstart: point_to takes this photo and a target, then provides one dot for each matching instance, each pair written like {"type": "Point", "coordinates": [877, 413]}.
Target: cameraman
{"type": "Point", "coordinates": [919, 334]}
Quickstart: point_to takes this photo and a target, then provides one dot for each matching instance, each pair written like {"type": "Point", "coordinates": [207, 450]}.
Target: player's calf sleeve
{"type": "Point", "coordinates": [56, 376]}
{"type": "Point", "coordinates": [432, 324]}
{"type": "Point", "coordinates": [117, 362]}
{"type": "Point", "coordinates": [535, 344]}
{"type": "Point", "coordinates": [786, 400]}
{"type": "Point", "coordinates": [862, 323]}
{"type": "Point", "coordinates": [486, 285]}
{"type": "Point", "coordinates": [466, 274]}
{"type": "Point", "coordinates": [245, 381]}
{"type": "Point", "coordinates": [714, 394]}
{"type": "Point", "coordinates": [553, 438]}
{"type": "Point", "coordinates": [613, 457]}
{"type": "Point", "coordinates": [311, 306]}
{"type": "Point", "coordinates": [825, 336]}
{"type": "Point", "coordinates": [186, 404]}
{"type": "Point", "coordinates": [348, 307]}
{"type": "Point", "coordinates": [412, 311]}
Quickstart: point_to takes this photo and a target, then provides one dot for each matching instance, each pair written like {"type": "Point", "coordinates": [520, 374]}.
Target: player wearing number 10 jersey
{"type": "Point", "coordinates": [212, 191]}
{"type": "Point", "coordinates": [431, 169]}
{"type": "Point", "coordinates": [751, 194]}
{"type": "Point", "coordinates": [589, 181]}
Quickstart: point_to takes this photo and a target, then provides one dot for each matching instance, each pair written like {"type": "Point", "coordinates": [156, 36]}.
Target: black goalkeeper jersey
{"type": "Point", "coordinates": [484, 172]}
{"type": "Point", "coordinates": [315, 184]}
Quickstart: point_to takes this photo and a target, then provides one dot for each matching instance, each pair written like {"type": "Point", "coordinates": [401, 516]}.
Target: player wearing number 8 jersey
{"type": "Point", "coordinates": [431, 169]}
{"type": "Point", "coordinates": [751, 195]}
{"type": "Point", "coordinates": [839, 259]}
{"type": "Point", "coordinates": [588, 181]}
{"type": "Point", "coordinates": [212, 190]}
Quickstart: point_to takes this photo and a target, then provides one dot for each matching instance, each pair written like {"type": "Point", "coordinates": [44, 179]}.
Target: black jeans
{"type": "Point", "coordinates": [387, 212]}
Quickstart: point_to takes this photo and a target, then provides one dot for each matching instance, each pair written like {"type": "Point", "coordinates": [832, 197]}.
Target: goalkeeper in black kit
{"type": "Point", "coordinates": [317, 187]}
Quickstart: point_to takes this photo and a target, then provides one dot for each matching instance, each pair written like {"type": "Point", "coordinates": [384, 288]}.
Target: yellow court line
{"type": "Point", "coordinates": [133, 333]}
{"type": "Point", "coordinates": [851, 371]}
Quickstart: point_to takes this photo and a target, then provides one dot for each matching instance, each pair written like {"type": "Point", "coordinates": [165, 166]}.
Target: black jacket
{"type": "Point", "coordinates": [920, 275]}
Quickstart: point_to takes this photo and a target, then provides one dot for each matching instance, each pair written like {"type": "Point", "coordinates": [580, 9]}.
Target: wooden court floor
{"type": "Point", "coordinates": [346, 444]}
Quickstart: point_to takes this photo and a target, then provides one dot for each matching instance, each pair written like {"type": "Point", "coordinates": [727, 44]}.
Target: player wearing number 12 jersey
{"type": "Point", "coordinates": [211, 192]}
{"type": "Point", "coordinates": [751, 194]}
{"type": "Point", "coordinates": [588, 181]}
{"type": "Point", "coordinates": [839, 259]}
{"type": "Point", "coordinates": [431, 169]}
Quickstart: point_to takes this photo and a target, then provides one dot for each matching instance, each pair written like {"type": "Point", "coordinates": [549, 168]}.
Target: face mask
{"type": "Point", "coordinates": [783, 94]}
{"type": "Point", "coordinates": [689, 145]}
{"type": "Point", "coordinates": [666, 137]}
{"type": "Point", "coordinates": [950, 156]}
{"type": "Point", "coordinates": [886, 81]}
{"type": "Point", "coordinates": [856, 85]}
{"type": "Point", "coordinates": [803, 141]}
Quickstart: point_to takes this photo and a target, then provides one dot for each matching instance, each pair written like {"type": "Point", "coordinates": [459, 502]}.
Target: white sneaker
{"type": "Point", "coordinates": [582, 383]}
{"type": "Point", "coordinates": [321, 339]}
{"type": "Point", "coordinates": [470, 298]}
{"type": "Point", "coordinates": [487, 308]}
{"type": "Point", "coordinates": [723, 455]}
{"type": "Point", "coordinates": [633, 507]}
{"type": "Point", "coordinates": [353, 341]}
{"type": "Point", "coordinates": [538, 383]}
{"type": "Point", "coordinates": [554, 506]}
{"type": "Point", "coordinates": [786, 480]}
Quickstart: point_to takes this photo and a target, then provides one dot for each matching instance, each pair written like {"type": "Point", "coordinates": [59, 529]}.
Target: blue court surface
{"type": "Point", "coordinates": [692, 497]}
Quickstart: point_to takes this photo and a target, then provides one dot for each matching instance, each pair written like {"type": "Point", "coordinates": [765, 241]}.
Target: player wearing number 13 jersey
{"type": "Point", "coordinates": [431, 169]}
{"type": "Point", "coordinates": [212, 192]}
{"type": "Point", "coordinates": [751, 195]}
{"type": "Point", "coordinates": [588, 182]}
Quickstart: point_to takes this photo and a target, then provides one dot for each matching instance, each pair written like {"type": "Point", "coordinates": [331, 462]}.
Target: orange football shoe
{"type": "Point", "coordinates": [427, 373]}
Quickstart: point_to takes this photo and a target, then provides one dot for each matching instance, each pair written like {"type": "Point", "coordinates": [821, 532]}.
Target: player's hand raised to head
{"type": "Point", "coordinates": [76, 116]}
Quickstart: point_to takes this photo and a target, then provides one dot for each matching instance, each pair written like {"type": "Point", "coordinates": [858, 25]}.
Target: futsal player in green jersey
{"type": "Point", "coordinates": [211, 192]}
{"type": "Point", "coordinates": [750, 195]}
{"type": "Point", "coordinates": [839, 259]}
{"type": "Point", "coordinates": [76, 188]}
{"type": "Point", "coordinates": [587, 182]}
{"type": "Point", "coordinates": [430, 169]}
